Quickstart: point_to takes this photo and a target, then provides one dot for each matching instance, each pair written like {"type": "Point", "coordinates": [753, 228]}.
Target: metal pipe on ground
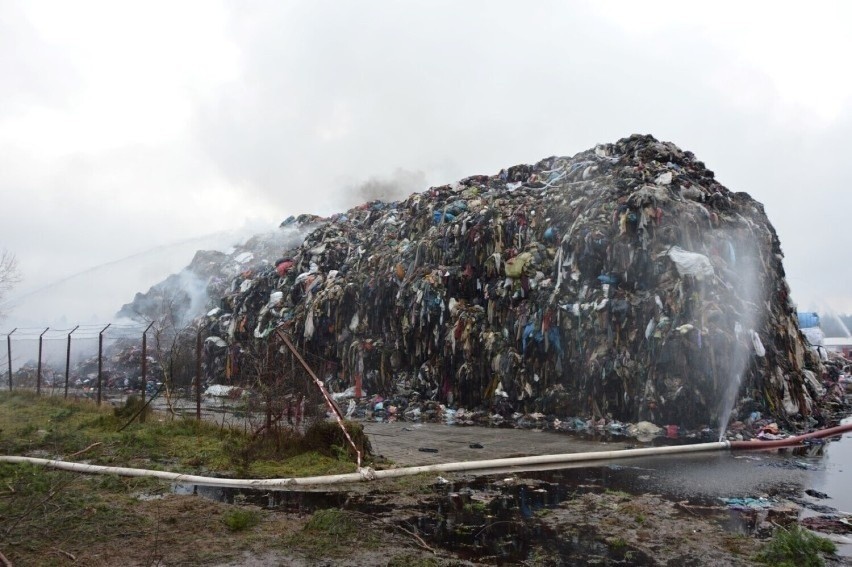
{"type": "Point", "coordinates": [366, 473]}
{"type": "Point", "coordinates": [790, 441]}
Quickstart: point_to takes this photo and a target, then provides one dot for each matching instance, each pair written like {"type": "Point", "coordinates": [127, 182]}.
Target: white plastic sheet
{"type": "Point", "coordinates": [691, 263]}
{"type": "Point", "coordinates": [759, 349]}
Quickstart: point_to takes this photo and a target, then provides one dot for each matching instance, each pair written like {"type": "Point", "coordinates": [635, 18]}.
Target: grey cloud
{"type": "Point", "coordinates": [32, 70]}
{"type": "Point", "coordinates": [337, 103]}
{"type": "Point", "coordinates": [331, 92]}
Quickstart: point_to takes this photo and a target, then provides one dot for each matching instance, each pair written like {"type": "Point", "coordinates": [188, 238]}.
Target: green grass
{"type": "Point", "coordinates": [240, 519]}
{"type": "Point", "coordinates": [43, 510]}
{"type": "Point", "coordinates": [58, 428]}
{"type": "Point", "coordinates": [305, 464]}
{"type": "Point", "coordinates": [331, 532]}
{"type": "Point", "coordinates": [332, 522]}
{"type": "Point", "coordinates": [795, 547]}
{"type": "Point", "coordinates": [45, 513]}
{"type": "Point", "coordinates": [422, 483]}
{"type": "Point", "coordinates": [617, 543]}
{"type": "Point", "coordinates": [619, 494]}
{"type": "Point", "coordinates": [475, 508]}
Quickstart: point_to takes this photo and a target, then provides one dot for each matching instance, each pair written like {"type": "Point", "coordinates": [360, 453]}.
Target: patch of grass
{"type": "Point", "coordinates": [635, 510]}
{"type": "Point", "coordinates": [795, 547]}
{"type": "Point", "coordinates": [111, 483]}
{"type": "Point", "coordinates": [331, 521]}
{"type": "Point", "coordinates": [240, 519]}
{"type": "Point", "coordinates": [422, 483]}
{"type": "Point", "coordinates": [305, 464]}
{"type": "Point", "coordinates": [324, 436]}
{"type": "Point", "coordinates": [475, 508]}
{"type": "Point", "coordinates": [64, 413]}
{"type": "Point", "coordinates": [619, 494]}
{"type": "Point", "coordinates": [191, 443]}
{"type": "Point", "coordinates": [332, 532]}
{"type": "Point", "coordinates": [133, 407]}
{"type": "Point", "coordinates": [274, 445]}
{"type": "Point", "coordinates": [60, 427]}
{"type": "Point", "coordinates": [617, 543]}
{"type": "Point", "coordinates": [43, 510]}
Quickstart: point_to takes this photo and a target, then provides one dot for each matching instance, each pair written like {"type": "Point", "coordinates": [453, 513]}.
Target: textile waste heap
{"type": "Point", "coordinates": [615, 284]}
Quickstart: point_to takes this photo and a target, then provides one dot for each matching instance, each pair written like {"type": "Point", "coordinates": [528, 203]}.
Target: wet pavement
{"type": "Point", "coordinates": [713, 474]}
{"type": "Point", "coordinates": [412, 444]}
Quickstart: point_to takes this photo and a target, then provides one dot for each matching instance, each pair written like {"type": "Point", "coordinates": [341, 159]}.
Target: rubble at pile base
{"type": "Point", "coordinates": [624, 283]}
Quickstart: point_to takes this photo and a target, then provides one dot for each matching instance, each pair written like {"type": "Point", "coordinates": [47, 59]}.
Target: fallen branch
{"type": "Point", "coordinates": [486, 526]}
{"type": "Point", "coordinates": [65, 553]}
{"type": "Point", "coordinates": [420, 541]}
{"type": "Point", "coordinates": [417, 537]}
{"type": "Point", "coordinates": [90, 447]}
{"type": "Point", "coordinates": [4, 561]}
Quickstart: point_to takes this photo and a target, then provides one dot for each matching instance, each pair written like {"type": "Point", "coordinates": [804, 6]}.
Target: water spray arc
{"type": "Point", "coordinates": [747, 341]}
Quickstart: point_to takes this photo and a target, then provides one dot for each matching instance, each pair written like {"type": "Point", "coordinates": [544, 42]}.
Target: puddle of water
{"type": "Point", "coordinates": [500, 518]}
{"type": "Point", "coordinates": [498, 521]}
{"type": "Point", "coordinates": [832, 479]}
{"type": "Point", "coordinates": [288, 501]}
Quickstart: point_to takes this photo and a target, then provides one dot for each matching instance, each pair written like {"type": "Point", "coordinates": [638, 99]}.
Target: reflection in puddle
{"type": "Point", "coordinates": [500, 517]}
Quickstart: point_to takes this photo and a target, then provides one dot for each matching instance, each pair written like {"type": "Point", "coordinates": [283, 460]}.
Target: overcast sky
{"type": "Point", "coordinates": [152, 129]}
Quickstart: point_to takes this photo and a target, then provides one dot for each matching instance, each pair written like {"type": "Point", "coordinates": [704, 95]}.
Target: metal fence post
{"type": "Point", "coordinates": [101, 361]}
{"type": "Point", "coordinates": [68, 360]}
{"type": "Point", "coordinates": [198, 376]}
{"type": "Point", "coordinates": [38, 368]}
{"type": "Point", "coordinates": [9, 354]}
{"type": "Point", "coordinates": [144, 368]}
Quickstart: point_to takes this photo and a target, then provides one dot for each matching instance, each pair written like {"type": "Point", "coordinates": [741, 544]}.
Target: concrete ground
{"type": "Point", "coordinates": [402, 443]}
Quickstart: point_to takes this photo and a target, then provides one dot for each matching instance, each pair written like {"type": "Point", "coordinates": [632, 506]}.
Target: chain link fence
{"type": "Point", "coordinates": [259, 387]}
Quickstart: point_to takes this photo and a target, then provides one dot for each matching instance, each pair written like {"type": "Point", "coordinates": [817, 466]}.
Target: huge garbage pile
{"type": "Point", "coordinates": [623, 283]}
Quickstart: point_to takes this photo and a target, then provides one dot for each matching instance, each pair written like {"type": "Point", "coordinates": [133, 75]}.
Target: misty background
{"type": "Point", "coordinates": [134, 134]}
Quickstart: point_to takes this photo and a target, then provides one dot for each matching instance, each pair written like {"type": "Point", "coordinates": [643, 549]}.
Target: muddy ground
{"type": "Point", "coordinates": [640, 512]}
{"type": "Point", "coordinates": [570, 519]}
{"type": "Point", "coordinates": [513, 521]}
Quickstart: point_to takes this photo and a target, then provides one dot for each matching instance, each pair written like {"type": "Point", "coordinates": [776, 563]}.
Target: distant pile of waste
{"type": "Point", "coordinates": [624, 283]}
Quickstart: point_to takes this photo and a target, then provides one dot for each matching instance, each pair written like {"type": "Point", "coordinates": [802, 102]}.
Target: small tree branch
{"type": "Point", "coordinates": [78, 453]}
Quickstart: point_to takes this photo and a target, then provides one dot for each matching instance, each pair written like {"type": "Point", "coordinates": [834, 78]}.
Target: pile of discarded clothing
{"type": "Point", "coordinates": [624, 283]}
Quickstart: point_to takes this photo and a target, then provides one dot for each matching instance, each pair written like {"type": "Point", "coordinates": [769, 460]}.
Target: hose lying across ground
{"type": "Point", "coordinates": [367, 473]}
